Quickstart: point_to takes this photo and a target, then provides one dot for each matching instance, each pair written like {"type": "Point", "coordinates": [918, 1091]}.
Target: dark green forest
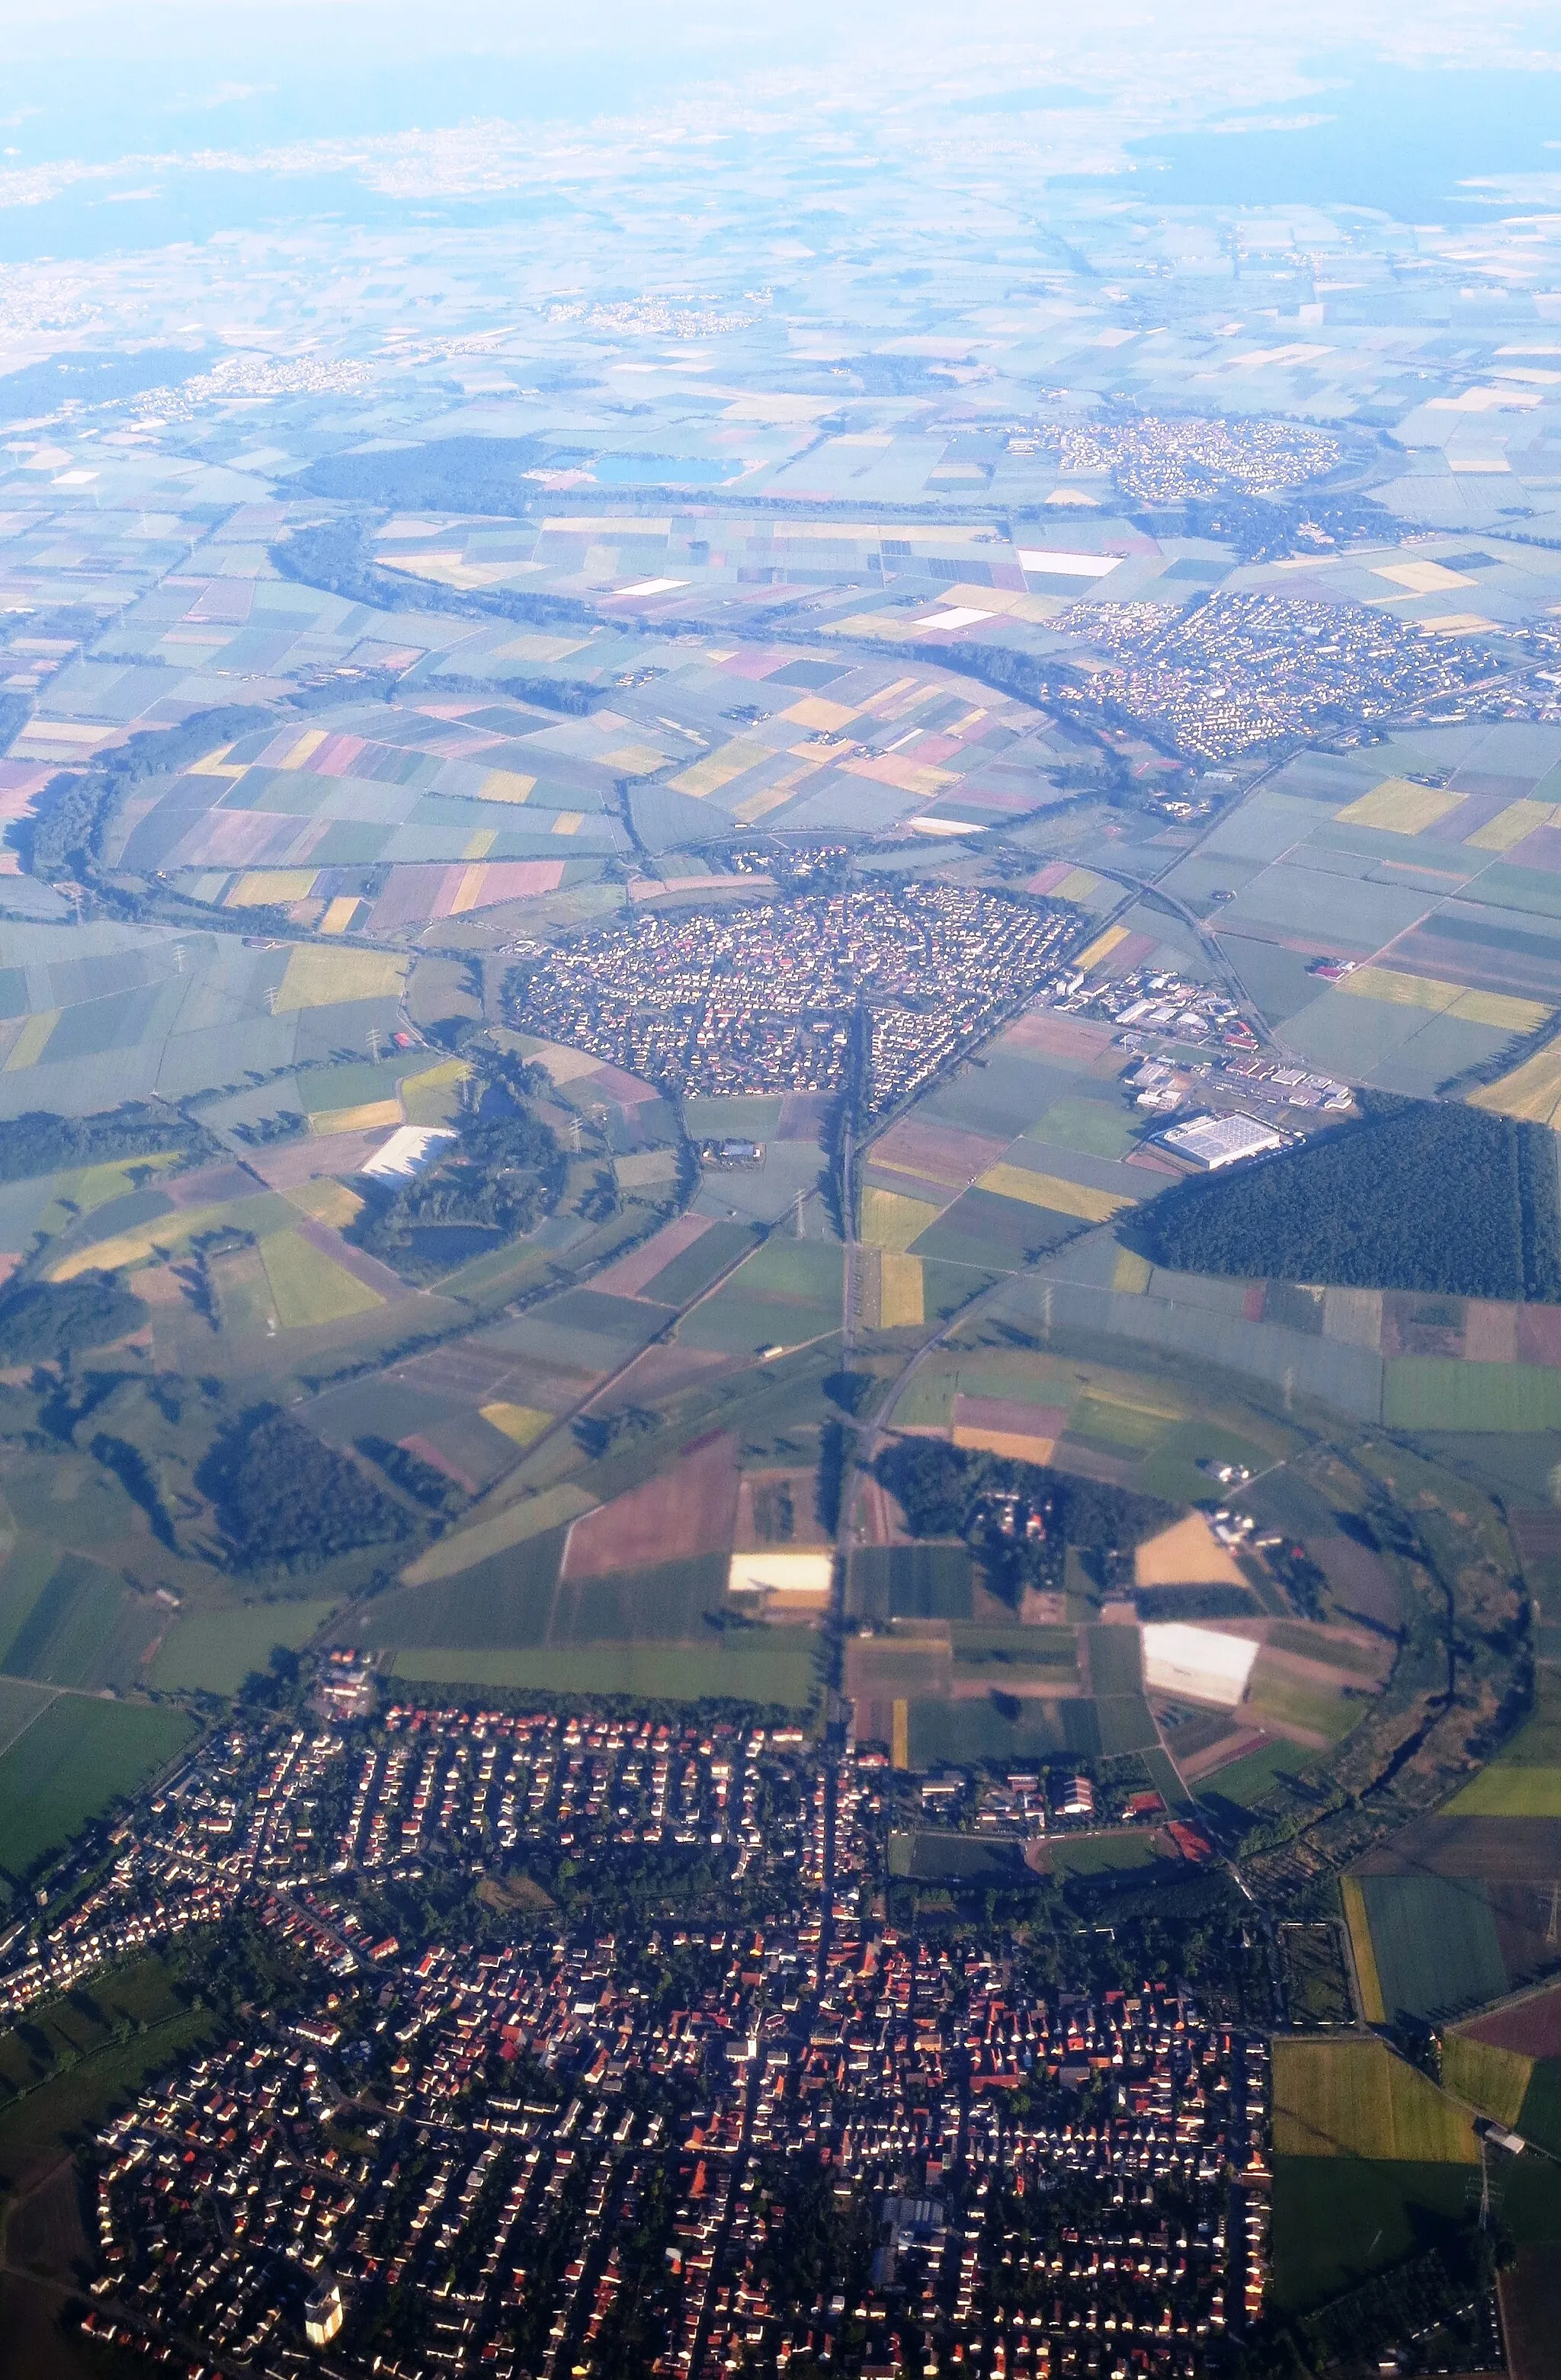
{"type": "Point", "coordinates": [44, 1319]}
{"type": "Point", "coordinates": [1417, 1195]}
{"type": "Point", "coordinates": [950, 1491]}
{"type": "Point", "coordinates": [39, 1143]}
{"type": "Point", "coordinates": [330, 1505]}
{"type": "Point", "coordinates": [502, 1174]}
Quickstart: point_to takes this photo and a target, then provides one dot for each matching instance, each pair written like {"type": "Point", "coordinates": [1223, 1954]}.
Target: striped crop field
{"type": "Point", "coordinates": [1356, 2099]}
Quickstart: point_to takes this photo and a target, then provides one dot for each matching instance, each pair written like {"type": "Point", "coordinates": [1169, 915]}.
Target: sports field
{"type": "Point", "coordinates": [1356, 2099]}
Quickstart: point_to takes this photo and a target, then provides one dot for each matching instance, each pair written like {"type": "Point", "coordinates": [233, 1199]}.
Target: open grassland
{"type": "Point", "coordinates": [1436, 1943]}
{"type": "Point", "coordinates": [1356, 2099]}
{"type": "Point", "coordinates": [1336, 2221]}
{"type": "Point", "coordinates": [323, 978]}
{"type": "Point", "coordinates": [308, 1289]}
{"type": "Point", "coordinates": [758, 1666]}
{"type": "Point", "coordinates": [216, 1651]}
{"type": "Point", "coordinates": [1524, 1780]}
{"type": "Point", "coordinates": [1495, 2081]}
{"type": "Point", "coordinates": [528, 1518]}
{"type": "Point", "coordinates": [77, 1756]}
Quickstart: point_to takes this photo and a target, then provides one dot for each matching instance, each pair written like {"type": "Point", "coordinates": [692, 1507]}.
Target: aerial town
{"type": "Point", "coordinates": [763, 998]}
{"type": "Point", "coordinates": [799, 2135]}
{"type": "Point", "coordinates": [1240, 670]}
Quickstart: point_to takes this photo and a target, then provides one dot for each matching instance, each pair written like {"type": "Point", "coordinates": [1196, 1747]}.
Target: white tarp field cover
{"type": "Point", "coordinates": [1201, 1662]}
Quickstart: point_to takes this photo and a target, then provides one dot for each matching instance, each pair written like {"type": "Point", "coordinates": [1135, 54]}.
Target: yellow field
{"type": "Point", "coordinates": [216, 764]}
{"type": "Point", "coordinates": [1186, 1554]}
{"type": "Point", "coordinates": [890, 1221]}
{"type": "Point", "coordinates": [31, 1041]}
{"type": "Point", "coordinates": [1510, 1790]}
{"type": "Point", "coordinates": [1101, 948]}
{"type": "Point", "coordinates": [304, 749]}
{"type": "Point", "coordinates": [1015, 1446]}
{"type": "Point", "coordinates": [522, 1423]}
{"type": "Point", "coordinates": [770, 797]}
{"type": "Point", "coordinates": [1495, 2081]}
{"type": "Point", "coordinates": [263, 887]}
{"type": "Point", "coordinates": [1077, 885]}
{"type": "Point", "coordinates": [540, 648]}
{"type": "Point", "coordinates": [307, 1287]}
{"type": "Point", "coordinates": [505, 786]}
{"type": "Point", "coordinates": [1399, 807]}
{"type": "Point", "coordinates": [339, 914]}
{"type": "Point", "coordinates": [568, 823]}
{"type": "Point", "coordinates": [899, 1749]}
{"type": "Point", "coordinates": [442, 1077]}
{"type": "Point", "coordinates": [634, 760]}
{"type": "Point", "coordinates": [1354, 2098]}
{"type": "Point", "coordinates": [812, 711]}
{"type": "Point", "coordinates": [369, 1117]}
{"type": "Point", "coordinates": [327, 1201]}
{"type": "Point", "coordinates": [1049, 1190]}
{"type": "Point", "coordinates": [1399, 991]}
{"type": "Point", "coordinates": [1531, 1092]}
{"type": "Point", "coordinates": [1499, 1009]}
{"type": "Point", "coordinates": [1355, 1915]}
{"type": "Point", "coordinates": [1511, 825]}
{"type": "Point", "coordinates": [317, 978]}
{"type": "Point", "coordinates": [1131, 1273]}
{"type": "Point", "coordinates": [900, 1294]}
{"type": "Point", "coordinates": [718, 768]}
{"type": "Point", "coordinates": [134, 1247]}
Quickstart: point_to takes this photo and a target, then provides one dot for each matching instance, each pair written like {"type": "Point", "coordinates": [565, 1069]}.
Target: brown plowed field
{"type": "Point", "coordinates": [629, 1275]}
{"type": "Point", "coordinates": [1514, 1851]}
{"type": "Point", "coordinates": [1041, 1035]}
{"type": "Point", "coordinates": [691, 1509]}
{"type": "Point", "coordinates": [1532, 2029]}
{"type": "Point", "coordinates": [938, 1152]}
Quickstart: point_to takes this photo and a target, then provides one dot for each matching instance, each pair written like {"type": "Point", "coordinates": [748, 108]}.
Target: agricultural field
{"type": "Point", "coordinates": [1458, 1911]}
{"type": "Point", "coordinates": [78, 1755]}
{"type": "Point", "coordinates": [1346, 2099]}
{"type": "Point", "coordinates": [1430, 862]}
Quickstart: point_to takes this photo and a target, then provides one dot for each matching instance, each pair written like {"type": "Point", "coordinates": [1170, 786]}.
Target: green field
{"type": "Point", "coordinates": [20, 1705]}
{"type": "Point", "coordinates": [77, 1756]}
{"type": "Point", "coordinates": [1248, 1783]}
{"type": "Point", "coordinates": [309, 1289]}
{"type": "Point", "coordinates": [923, 1582]}
{"type": "Point", "coordinates": [1100, 1854]}
{"type": "Point", "coordinates": [1425, 1392]}
{"type": "Point", "coordinates": [1338, 2219]}
{"type": "Point", "coordinates": [1340, 2099]}
{"type": "Point", "coordinates": [498, 1602]}
{"type": "Point", "coordinates": [755, 1665]}
{"type": "Point", "coordinates": [939, 1858]}
{"type": "Point", "coordinates": [216, 1650]}
{"type": "Point", "coordinates": [1524, 1780]}
{"type": "Point", "coordinates": [1001, 1727]}
{"type": "Point", "coordinates": [1435, 1939]}
{"type": "Point", "coordinates": [1493, 2080]}
{"type": "Point", "coordinates": [699, 1264]}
